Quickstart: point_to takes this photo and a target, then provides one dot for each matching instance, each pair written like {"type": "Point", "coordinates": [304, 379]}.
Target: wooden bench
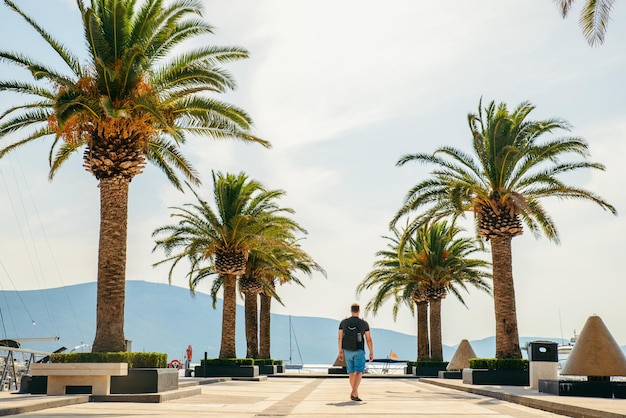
{"type": "Point", "coordinates": [62, 375]}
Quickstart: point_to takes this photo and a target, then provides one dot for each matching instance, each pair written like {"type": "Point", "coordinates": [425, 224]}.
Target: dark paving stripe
{"type": "Point", "coordinates": [285, 406]}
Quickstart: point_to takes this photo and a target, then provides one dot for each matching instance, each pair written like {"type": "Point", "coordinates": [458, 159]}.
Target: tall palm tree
{"type": "Point", "coordinates": [503, 183]}
{"type": "Point", "coordinates": [133, 101]}
{"type": "Point", "coordinates": [594, 18]}
{"type": "Point", "coordinates": [444, 260]}
{"type": "Point", "coordinates": [246, 219]}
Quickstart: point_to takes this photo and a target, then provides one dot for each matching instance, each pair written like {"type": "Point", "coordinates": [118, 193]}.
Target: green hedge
{"type": "Point", "coordinates": [426, 363]}
{"type": "Point", "coordinates": [498, 364]}
{"type": "Point", "coordinates": [267, 362]}
{"type": "Point", "coordinates": [228, 362]}
{"type": "Point", "coordinates": [134, 360]}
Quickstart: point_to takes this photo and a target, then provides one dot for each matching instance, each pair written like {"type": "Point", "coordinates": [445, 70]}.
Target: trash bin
{"type": "Point", "coordinates": [543, 351]}
{"type": "Point", "coordinates": [543, 360]}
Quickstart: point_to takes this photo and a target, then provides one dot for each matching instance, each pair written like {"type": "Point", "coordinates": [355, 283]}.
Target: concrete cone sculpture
{"type": "Point", "coordinates": [596, 353]}
{"type": "Point", "coordinates": [460, 359]}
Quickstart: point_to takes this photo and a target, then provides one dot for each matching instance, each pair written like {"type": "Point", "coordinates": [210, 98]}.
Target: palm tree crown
{"type": "Point", "coordinates": [133, 99]}
{"type": "Point", "coordinates": [506, 178]}
{"type": "Point", "coordinates": [245, 218]}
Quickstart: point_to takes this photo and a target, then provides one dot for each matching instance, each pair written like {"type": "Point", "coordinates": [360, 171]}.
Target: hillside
{"type": "Point", "coordinates": [167, 319]}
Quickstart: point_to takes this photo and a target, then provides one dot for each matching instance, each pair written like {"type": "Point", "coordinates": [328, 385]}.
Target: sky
{"type": "Point", "coordinates": [342, 90]}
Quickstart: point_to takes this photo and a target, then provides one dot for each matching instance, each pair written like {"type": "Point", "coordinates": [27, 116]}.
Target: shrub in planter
{"type": "Point", "coordinates": [491, 371]}
{"type": "Point", "coordinates": [267, 362]}
{"type": "Point", "coordinates": [426, 363]}
{"type": "Point", "coordinates": [135, 360]}
{"type": "Point", "coordinates": [227, 362]}
{"type": "Point", "coordinates": [220, 367]}
{"type": "Point", "coordinates": [147, 372]}
{"type": "Point", "coordinates": [498, 364]}
{"type": "Point", "coordinates": [269, 366]}
{"type": "Point", "coordinates": [426, 368]}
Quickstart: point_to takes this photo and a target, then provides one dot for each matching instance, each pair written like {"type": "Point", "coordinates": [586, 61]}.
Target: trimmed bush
{"type": "Point", "coordinates": [134, 360]}
{"type": "Point", "coordinates": [228, 362]}
{"type": "Point", "coordinates": [425, 363]}
{"type": "Point", "coordinates": [267, 362]}
{"type": "Point", "coordinates": [498, 364]}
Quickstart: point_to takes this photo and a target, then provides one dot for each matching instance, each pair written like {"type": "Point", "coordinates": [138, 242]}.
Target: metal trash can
{"type": "Point", "coordinates": [543, 360]}
{"type": "Point", "coordinates": [543, 351]}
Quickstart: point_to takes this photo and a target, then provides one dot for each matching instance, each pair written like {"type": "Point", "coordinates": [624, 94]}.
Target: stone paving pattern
{"type": "Point", "coordinates": [324, 397]}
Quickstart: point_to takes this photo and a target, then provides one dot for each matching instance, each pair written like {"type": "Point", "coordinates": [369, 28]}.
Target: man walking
{"type": "Point", "coordinates": [353, 332]}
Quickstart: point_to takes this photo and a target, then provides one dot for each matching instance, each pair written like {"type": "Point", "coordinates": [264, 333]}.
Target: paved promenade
{"type": "Point", "coordinates": [306, 396]}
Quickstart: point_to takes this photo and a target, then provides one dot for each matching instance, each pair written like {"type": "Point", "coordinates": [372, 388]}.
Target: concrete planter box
{"type": "Point", "coordinates": [496, 377]}
{"type": "Point", "coordinates": [78, 378]}
{"type": "Point", "coordinates": [146, 380]}
{"type": "Point", "coordinates": [268, 369]}
{"type": "Point", "coordinates": [452, 374]}
{"type": "Point", "coordinates": [408, 369]}
{"type": "Point", "coordinates": [280, 368]}
{"type": "Point", "coordinates": [226, 371]}
{"type": "Point", "coordinates": [427, 371]}
{"type": "Point", "coordinates": [583, 388]}
{"type": "Point", "coordinates": [137, 381]}
{"type": "Point", "coordinates": [337, 370]}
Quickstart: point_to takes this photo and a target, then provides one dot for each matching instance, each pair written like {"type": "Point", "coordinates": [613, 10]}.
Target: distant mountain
{"type": "Point", "coordinates": [167, 319]}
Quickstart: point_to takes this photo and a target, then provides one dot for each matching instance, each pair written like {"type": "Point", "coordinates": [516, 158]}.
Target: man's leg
{"type": "Point", "coordinates": [355, 381]}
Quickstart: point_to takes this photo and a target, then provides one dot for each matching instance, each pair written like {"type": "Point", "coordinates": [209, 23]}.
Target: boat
{"type": "Point", "coordinates": [387, 365]}
{"type": "Point", "coordinates": [567, 348]}
{"type": "Point", "coordinates": [290, 364]}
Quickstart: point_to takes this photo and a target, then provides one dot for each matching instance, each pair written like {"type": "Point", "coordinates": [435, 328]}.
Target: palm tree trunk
{"type": "Point", "coordinates": [507, 337]}
{"type": "Point", "coordinates": [264, 326]}
{"type": "Point", "coordinates": [112, 265]}
{"type": "Point", "coordinates": [252, 325]}
{"type": "Point", "coordinates": [423, 346]}
{"type": "Point", "coordinates": [229, 316]}
{"type": "Point", "coordinates": [436, 345]}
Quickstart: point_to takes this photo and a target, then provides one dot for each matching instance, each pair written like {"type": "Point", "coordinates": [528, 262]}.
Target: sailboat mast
{"type": "Point", "coordinates": [290, 349]}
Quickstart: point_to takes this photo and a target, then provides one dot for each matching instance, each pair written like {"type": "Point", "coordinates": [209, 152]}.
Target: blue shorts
{"type": "Point", "coordinates": [355, 360]}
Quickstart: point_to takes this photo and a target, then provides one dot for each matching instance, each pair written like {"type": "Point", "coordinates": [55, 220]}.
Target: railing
{"type": "Point", "coordinates": [12, 369]}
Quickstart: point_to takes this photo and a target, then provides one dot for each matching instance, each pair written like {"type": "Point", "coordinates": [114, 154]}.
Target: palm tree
{"type": "Point", "coordinates": [503, 183]}
{"type": "Point", "coordinates": [285, 263]}
{"type": "Point", "coordinates": [218, 241]}
{"type": "Point", "coordinates": [422, 269]}
{"type": "Point", "coordinates": [443, 260]}
{"type": "Point", "coordinates": [394, 279]}
{"type": "Point", "coordinates": [133, 101]}
{"type": "Point", "coordinates": [277, 264]}
{"type": "Point", "coordinates": [594, 18]}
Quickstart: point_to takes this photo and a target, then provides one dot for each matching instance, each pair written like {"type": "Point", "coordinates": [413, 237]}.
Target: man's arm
{"type": "Point", "coordinates": [370, 344]}
{"type": "Point", "coordinates": [339, 338]}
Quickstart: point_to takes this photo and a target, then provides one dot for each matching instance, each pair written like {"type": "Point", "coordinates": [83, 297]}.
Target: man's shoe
{"type": "Point", "coordinates": [355, 398]}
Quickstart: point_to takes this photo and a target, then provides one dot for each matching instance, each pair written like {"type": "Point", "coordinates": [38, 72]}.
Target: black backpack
{"type": "Point", "coordinates": [352, 336]}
